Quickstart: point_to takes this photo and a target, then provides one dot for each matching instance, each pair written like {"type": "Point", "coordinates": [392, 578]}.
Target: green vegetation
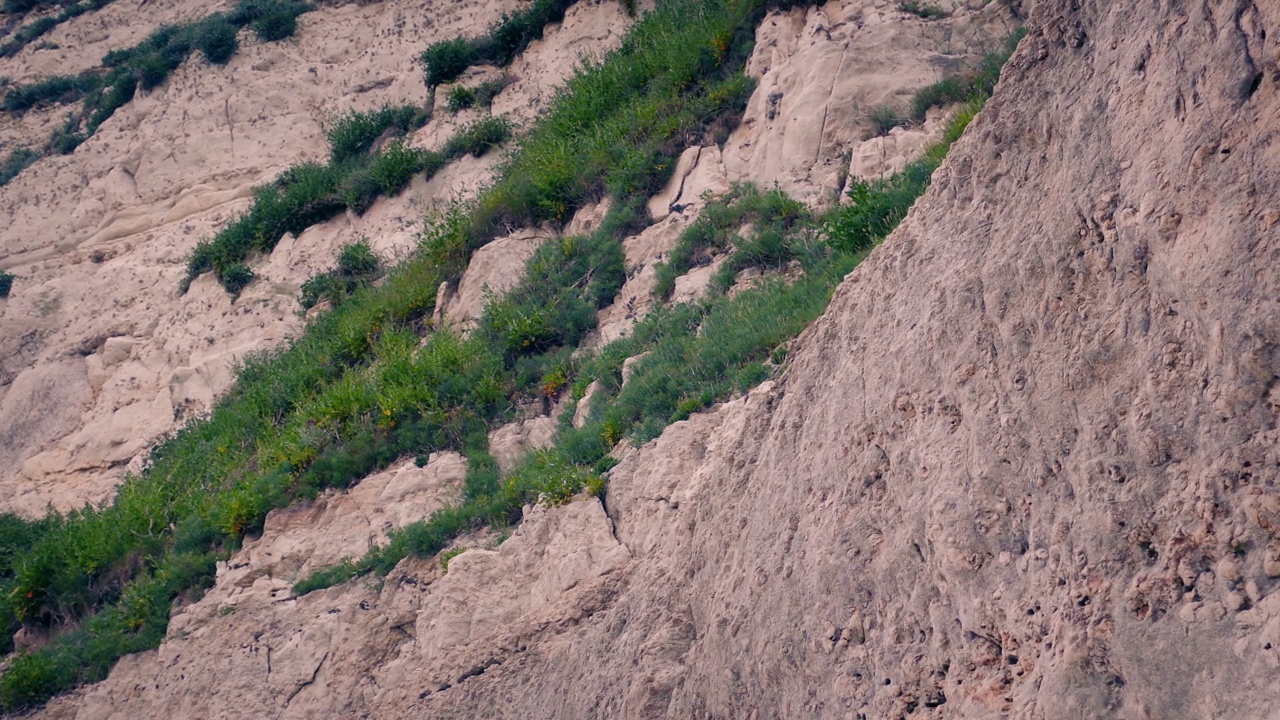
{"type": "Point", "coordinates": [19, 159]}
{"type": "Point", "coordinates": [979, 81]}
{"type": "Point", "coordinates": [311, 193]}
{"type": "Point", "coordinates": [926, 10]}
{"type": "Point", "coordinates": [353, 133]}
{"type": "Point", "coordinates": [461, 97]}
{"type": "Point", "coordinates": [446, 60]}
{"type": "Point", "coordinates": [357, 267]}
{"type": "Point", "coordinates": [34, 30]}
{"type": "Point", "coordinates": [148, 64]}
{"type": "Point", "coordinates": [885, 118]}
{"type": "Point", "coordinates": [6, 285]}
{"type": "Point", "coordinates": [773, 217]}
{"type": "Point", "coordinates": [361, 388]}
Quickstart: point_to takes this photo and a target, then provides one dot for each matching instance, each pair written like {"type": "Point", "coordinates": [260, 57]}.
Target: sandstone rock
{"type": "Point", "coordinates": [510, 443]}
{"type": "Point", "coordinates": [494, 269]}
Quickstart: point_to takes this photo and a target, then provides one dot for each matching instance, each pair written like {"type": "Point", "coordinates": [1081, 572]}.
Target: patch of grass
{"type": "Point", "coordinates": [885, 118]}
{"type": "Point", "coordinates": [354, 133]}
{"type": "Point", "coordinates": [926, 10]}
{"type": "Point", "coordinates": [479, 137]}
{"type": "Point", "coordinates": [19, 159]}
{"type": "Point", "coordinates": [978, 82]}
{"type": "Point", "coordinates": [461, 97]}
{"type": "Point", "coordinates": [310, 193]}
{"type": "Point", "coordinates": [34, 30]}
{"type": "Point", "coordinates": [772, 216]}
{"type": "Point", "coordinates": [357, 267]}
{"type": "Point", "coordinates": [146, 65]}
{"type": "Point", "coordinates": [447, 60]}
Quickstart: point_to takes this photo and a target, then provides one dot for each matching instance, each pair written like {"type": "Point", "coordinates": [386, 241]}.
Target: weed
{"type": "Point", "coordinates": [977, 83]}
{"type": "Point", "coordinates": [925, 10]}
{"type": "Point", "coordinates": [447, 60]}
{"type": "Point", "coordinates": [19, 159]}
{"type": "Point", "coordinates": [885, 118]}
{"type": "Point", "coordinates": [461, 97]}
{"type": "Point", "coordinates": [448, 555]}
{"type": "Point", "coordinates": [357, 267]}
{"type": "Point", "coordinates": [479, 137]}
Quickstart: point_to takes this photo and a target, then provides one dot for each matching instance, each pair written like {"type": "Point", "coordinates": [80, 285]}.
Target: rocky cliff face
{"type": "Point", "coordinates": [1023, 467]}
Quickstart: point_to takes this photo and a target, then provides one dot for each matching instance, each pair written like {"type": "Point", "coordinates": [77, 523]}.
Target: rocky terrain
{"type": "Point", "coordinates": [1023, 466]}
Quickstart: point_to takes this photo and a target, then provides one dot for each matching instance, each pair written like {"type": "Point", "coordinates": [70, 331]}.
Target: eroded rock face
{"type": "Point", "coordinates": [1024, 466]}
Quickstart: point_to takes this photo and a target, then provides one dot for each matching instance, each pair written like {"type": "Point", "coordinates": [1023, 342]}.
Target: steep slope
{"type": "Point", "coordinates": [100, 355]}
{"type": "Point", "coordinates": [1024, 467]}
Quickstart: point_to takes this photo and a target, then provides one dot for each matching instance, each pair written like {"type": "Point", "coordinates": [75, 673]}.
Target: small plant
{"type": "Point", "coordinates": [448, 59]}
{"type": "Point", "coordinates": [479, 137]}
{"type": "Point", "coordinates": [354, 133]}
{"type": "Point", "coordinates": [925, 10]}
{"type": "Point", "coordinates": [19, 159]}
{"type": "Point", "coordinates": [6, 283]}
{"type": "Point", "coordinates": [460, 98]}
{"type": "Point", "coordinates": [216, 39]}
{"type": "Point", "coordinates": [884, 118]}
{"type": "Point", "coordinates": [448, 555]}
{"type": "Point", "coordinates": [357, 267]}
{"type": "Point", "coordinates": [236, 277]}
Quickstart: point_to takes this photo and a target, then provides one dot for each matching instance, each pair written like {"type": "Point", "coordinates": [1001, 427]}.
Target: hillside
{"type": "Point", "coordinates": [1022, 465]}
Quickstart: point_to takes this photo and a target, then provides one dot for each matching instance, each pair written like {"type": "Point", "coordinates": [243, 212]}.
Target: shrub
{"type": "Point", "coordinates": [276, 25]}
{"type": "Point", "coordinates": [883, 119]}
{"type": "Point", "coordinates": [236, 277]}
{"type": "Point", "coordinates": [353, 133]}
{"type": "Point", "coordinates": [56, 89]}
{"type": "Point", "coordinates": [479, 137]}
{"type": "Point", "coordinates": [216, 39]}
{"type": "Point", "coordinates": [460, 97]}
{"type": "Point", "coordinates": [395, 166]}
{"type": "Point", "coordinates": [6, 283]}
{"type": "Point", "coordinates": [925, 10]}
{"type": "Point", "coordinates": [448, 59]}
{"type": "Point", "coordinates": [19, 159]}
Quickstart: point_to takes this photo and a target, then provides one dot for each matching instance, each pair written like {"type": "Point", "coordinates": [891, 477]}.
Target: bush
{"type": "Point", "coordinates": [448, 59]}
{"type": "Point", "coordinates": [236, 277]}
{"type": "Point", "coordinates": [57, 89]}
{"type": "Point", "coordinates": [461, 97]}
{"type": "Point", "coordinates": [925, 10]}
{"type": "Point", "coordinates": [479, 137]}
{"type": "Point", "coordinates": [276, 25]}
{"type": "Point", "coordinates": [353, 133]}
{"type": "Point", "coordinates": [395, 166]}
{"type": "Point", "coordinates": [885, 118]}
{"type": "Point", "coordinates": [6, 283]}
{"type": "Point", "coordinates": [19, 159]}
{"type": "Point", "coordinates": [216, 39]}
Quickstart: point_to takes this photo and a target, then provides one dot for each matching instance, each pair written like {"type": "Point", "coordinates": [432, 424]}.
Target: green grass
{"type": "Point", "coordinates": [105, 89]}
{"type": "Point", "coordinates": [360, 389]}
{"type": "Point", "coordinates": [357, 267]}
{"type": "Point", "coordinates": [19, 159]}
{"type": "Point", "coordinates": [979, 81]}
{"type": "Point", "coordinates": [38, 28]}
{"type": "Point", "coordinates": [447, 60]}
{"type": "Point", "coordinates": [925, 10]}
{"type": "Point", "coordinates": [461, 97]}
{"type": "Point", "coordinates": [311, 193]}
